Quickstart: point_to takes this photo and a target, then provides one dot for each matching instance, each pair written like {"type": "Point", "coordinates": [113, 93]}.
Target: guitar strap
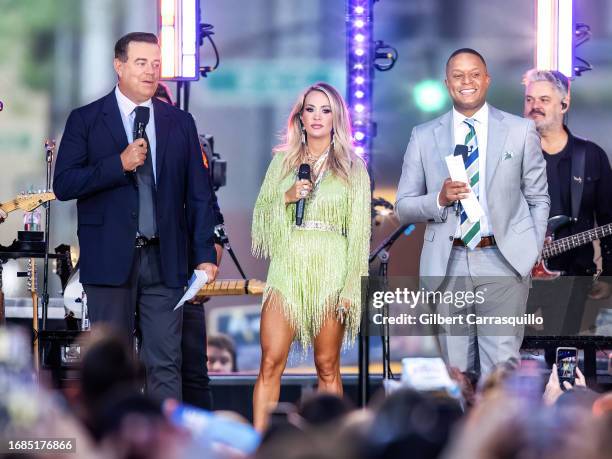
{"type": "Point", "coordinates": [577, 179]}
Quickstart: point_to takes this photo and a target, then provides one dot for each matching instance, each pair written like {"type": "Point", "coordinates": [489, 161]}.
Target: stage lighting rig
{"type": "Point", "coordinates": [206, 31]}
{"type": "Point", "coordinates": [582, 35]}
{"type": "Point", "coordinates": [217, 166]}
{"type": "Point", "coordinates": [385, 56]}
{"type": "Point", "coordinates": [558, 35]}
{"type": "Point", "coordinates": [179, 39]}
{"type": "Point", "coordinates": [364, 55]}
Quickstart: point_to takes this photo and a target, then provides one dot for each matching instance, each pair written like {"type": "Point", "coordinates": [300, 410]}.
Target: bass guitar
{"type": "Point", "coordinates": [553, 247]}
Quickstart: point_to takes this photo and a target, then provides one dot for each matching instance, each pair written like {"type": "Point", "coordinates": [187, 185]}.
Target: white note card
{"type": "Point", "coordinates": [457, 171]}
{"type": "Point", "coordinates": [197, 281]}
{"type": "Point", "coordinates": [425, 373]}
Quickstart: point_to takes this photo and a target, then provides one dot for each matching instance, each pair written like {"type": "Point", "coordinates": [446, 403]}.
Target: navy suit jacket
{"type": "Point", "coordinates": [89, 169]}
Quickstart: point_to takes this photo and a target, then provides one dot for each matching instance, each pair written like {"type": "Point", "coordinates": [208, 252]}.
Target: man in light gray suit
{"type": "Point", "coordinates": [491, 256]}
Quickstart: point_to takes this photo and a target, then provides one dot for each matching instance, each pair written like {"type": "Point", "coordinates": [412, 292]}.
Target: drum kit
{"type": "Point", "coordinates": [75, 299]}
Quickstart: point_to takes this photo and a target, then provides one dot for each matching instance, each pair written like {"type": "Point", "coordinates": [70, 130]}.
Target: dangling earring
{"type": "Point", "coordinates": [303, 134]}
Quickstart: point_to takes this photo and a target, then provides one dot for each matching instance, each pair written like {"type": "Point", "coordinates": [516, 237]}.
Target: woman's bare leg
{"type": "Point", "coordinates": [276, 335]}
{"type": "Point", "coordinates": [327, 347]}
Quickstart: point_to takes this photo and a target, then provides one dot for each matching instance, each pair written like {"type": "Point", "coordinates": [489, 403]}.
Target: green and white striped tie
{"type": "Point", "coordinates": [470, 231]}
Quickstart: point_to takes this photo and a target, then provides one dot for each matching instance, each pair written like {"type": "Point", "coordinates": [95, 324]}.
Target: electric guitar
{"type": "Point", "coordinates": [33, 287]}
{"type": "Point", "coordinates": [553, 247]}
{"type": "Point", "coordinates": [27, 201]}
{"type": "Point", "coordinates": [73, 293]}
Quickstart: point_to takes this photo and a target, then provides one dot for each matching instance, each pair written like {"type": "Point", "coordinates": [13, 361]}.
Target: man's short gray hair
{"type": "Point", "coordinates": [556, 78]}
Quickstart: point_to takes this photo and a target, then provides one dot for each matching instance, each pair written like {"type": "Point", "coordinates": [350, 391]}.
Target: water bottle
{"type": "Point", "coordinates": [31, 220]}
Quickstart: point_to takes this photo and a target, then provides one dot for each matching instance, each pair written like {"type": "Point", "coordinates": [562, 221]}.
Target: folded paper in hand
{"type": "Point", "coordinates": [197, 281]}
{"type": "Point", "coordinates": [457, 171]}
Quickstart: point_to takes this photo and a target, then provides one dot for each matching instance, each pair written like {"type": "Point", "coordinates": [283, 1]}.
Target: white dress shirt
{"type": "Point", "coordinates": [460, 131]}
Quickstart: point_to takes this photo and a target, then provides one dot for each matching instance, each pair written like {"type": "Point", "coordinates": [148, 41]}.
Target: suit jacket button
{"type": "Point", "coordinates": [134, 215]}
{"type": "Point", "coordinates": [450, 238]}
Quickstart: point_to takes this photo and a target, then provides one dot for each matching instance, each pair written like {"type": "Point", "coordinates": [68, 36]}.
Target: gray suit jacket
{"type": "Point", "coordinates": [516, 186]}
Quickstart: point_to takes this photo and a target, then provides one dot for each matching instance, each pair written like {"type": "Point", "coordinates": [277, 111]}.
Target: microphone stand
{"type": "Point", "coordinates": [182, 102]}
{"type": "Point", "coordinates": [382, 253]}
{"type": "Point", "coordinates": [49, 149]}
{"type": "Point", "coordinates": [224, 239]}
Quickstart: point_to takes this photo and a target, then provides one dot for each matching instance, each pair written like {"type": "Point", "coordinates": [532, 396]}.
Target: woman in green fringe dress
{"type": "Point", "coordinates": [313, 287]}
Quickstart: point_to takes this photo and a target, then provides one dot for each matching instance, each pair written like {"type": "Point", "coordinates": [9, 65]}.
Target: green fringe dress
{"type": "Point", "coordinates": [313, 266]}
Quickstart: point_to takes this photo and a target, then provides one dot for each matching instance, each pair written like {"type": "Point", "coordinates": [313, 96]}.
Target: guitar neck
{"type": "Point", "coordinates": [9, 206]}
{"type": "Point", "coordinates": [34, 292]}
{"type": "Point", "coordinates": [27, 202]}
{"type": "Point", "coordinates": [231, 287]}
{"type": "Point", "coordinates": [35, 311]}
{"type": "Point", "coordinates": [571, 242]}
{"type": "Point", "coordinates": [226, 287]}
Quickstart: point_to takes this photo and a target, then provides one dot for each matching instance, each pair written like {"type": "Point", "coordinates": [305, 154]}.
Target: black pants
{"type": "Point", "coordinates": [562, 304]}
{"type": "Point", "coordinates": [196, 389]}
{"type": "Point", "coordinates": [159, 325]}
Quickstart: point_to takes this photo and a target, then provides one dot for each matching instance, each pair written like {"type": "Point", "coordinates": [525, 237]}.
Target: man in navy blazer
{"type": "Point", "coordinates": [145, 218]}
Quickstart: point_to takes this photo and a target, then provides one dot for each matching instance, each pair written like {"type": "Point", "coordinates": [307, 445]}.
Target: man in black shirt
{"type": "Point", "coordinates": [194, 370]}
{"type": "Point", "coordinates": [547, 100]}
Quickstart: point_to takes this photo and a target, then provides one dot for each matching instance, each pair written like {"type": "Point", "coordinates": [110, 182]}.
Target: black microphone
{"type": "Point", "coordinates": [140, 121]}
{"type": "Point", "coordinates": [303, 174]}
{"type": "Point", "coordinates": [461, 150]}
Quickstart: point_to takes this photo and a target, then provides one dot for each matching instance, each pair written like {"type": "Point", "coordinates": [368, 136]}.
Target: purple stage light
{"type": "Point", "coordinates": [360, 69]}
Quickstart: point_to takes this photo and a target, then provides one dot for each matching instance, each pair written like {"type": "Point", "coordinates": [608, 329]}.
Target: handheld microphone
{"type": "Point", "coordinates": [461, 150]}
{"type": "Point", "coordinates": [303, 174]}
{"type": "Point", "coordinates": [140, 121]}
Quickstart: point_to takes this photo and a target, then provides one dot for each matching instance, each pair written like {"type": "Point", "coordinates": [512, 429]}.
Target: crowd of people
{"type": "Point", "coordinates": [513, 413]}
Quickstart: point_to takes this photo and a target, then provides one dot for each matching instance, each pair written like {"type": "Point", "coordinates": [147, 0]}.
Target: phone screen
{"type": "Point", "coordinates": [566, 365]}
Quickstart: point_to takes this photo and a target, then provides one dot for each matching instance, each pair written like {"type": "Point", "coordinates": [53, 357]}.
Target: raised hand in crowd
{"type": "Point", "coordinates": [553, 388]}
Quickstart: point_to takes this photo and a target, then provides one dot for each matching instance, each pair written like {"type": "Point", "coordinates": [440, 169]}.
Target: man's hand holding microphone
{"type": "Point", "coordinates": [134, 155]}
